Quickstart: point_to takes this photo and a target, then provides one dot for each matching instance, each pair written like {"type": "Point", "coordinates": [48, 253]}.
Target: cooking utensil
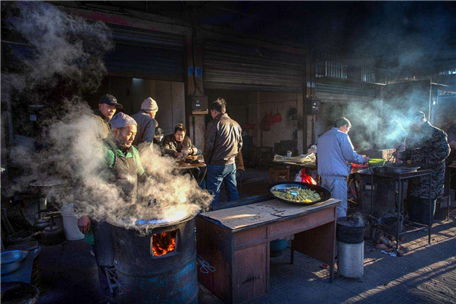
{"type": "Point", "coordinates": [282, 187]}
{"type": "Point", "coordinates": [164, 221]}
{"type": "Point", "coordinates": [395, 169]}
{"type": "Point", "coordinates": [11, 260]}
{"type": "Point", "coordinates": [375, 162]}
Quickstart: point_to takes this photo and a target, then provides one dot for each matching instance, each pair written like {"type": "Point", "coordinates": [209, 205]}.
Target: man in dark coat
{"type": "Point", "coordinates": [426, 147]}
{"type": "Point", "coordinates": [223, 144]}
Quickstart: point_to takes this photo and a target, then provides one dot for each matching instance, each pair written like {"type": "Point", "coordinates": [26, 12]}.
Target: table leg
{"type": "Point", "coordinates": [292, 253]}
{"type": "Point", "coordinates": [371, 211]}
{"type": "Point", "coordinates": [399, 211]}
{"type": "Point", "coordinates": [331, 272]}
{"type": "Point", "coordinates": [449, 194]}
{"type": "Point", "coordinates": [431, 209]}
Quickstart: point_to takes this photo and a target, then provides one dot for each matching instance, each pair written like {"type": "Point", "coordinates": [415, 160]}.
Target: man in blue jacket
{"type": "Point", "coordinates": [335, 153]}
{"type": "Point", "coordinates": [146, 122]}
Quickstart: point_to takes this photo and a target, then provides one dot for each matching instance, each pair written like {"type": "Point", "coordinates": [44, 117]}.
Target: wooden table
{"type": "Point", "coordinates": [235, 241]}
{"type": "Point", "coordinates": [197, 170]}
{"type": "Point", "coordinates": [182, 165]}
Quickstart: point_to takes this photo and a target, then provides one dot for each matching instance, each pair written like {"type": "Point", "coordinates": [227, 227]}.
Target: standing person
{"type": "Point", "coordinates": [158, 138]}
{"type": "Point", "coordinates": [426, 147]}
{"type": "Point", "coordinates": [450, 160]}
{"type": "Point", "coordinates": [124, 164]}
{"type": "Point", "coordinates": [146, 121]}
{"type": "Point", "coordinates": [179, 145]}
{"type": "Point", "coordinates": [107, 107]}
{"type": "Point", "coordinates": [335, 152]}
{"type": "Point", "coordinates": [223, 143]}
{"type": "Point", "coordinates": [452, 142]}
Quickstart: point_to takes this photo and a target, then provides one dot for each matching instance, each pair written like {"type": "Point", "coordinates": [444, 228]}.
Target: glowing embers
{"type": "Point", "coordinates": [163, 243]}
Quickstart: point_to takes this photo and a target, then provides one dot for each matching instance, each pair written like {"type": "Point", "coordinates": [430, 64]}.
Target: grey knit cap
{"type": "Point", "coordinates": [121, 120]}
{"type": "Point", "coordinates": [149, 105]}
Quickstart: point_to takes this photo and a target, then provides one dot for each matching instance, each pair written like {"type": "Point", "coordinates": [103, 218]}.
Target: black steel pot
{"type": "Point", "coordinates": [19, 293]}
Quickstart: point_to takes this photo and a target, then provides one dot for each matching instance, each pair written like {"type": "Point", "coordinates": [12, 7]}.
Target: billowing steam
{"type": "Point", "coordinates": [63, 46]}
{"type": "Point", "coordinates": [382, 124]}
{"type": "Point", "coordinates": [75, 166]}
{"type": "Point", "coordinates": [79, 154]}
{"type": "Point", "coordinates": [72, 158]}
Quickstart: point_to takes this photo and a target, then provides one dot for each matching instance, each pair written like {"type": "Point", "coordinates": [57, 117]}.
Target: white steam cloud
{"type": "Point", "coordinates": [68, 49]}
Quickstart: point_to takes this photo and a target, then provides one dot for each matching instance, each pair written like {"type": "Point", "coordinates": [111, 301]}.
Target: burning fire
{"type": "Point", "coordinates": [163, 243]}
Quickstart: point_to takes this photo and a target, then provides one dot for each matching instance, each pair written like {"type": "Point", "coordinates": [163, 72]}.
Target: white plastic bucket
{"type": "Point", "coordinates": [70, 223]}
{"type": "Point", "coordinates": [351, 259]}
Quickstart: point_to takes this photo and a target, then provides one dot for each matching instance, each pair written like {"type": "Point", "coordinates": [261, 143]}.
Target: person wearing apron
{"type": "Point", "coordinates": [124, 164]}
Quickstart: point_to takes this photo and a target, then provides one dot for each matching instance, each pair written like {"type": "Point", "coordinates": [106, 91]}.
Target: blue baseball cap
{"type": "Point", "coordinates": [110, 100]}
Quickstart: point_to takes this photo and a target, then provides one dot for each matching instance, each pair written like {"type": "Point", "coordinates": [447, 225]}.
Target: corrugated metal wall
{"type": "Point", "coordinates": [335, 86]}
{"type": "Point", "coordinates": [234, 66]}
{"type": "Point", "coordinates": [149, 54]}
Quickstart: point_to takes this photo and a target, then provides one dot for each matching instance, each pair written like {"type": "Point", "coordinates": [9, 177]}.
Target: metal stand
{"type": "Point", "coordinates": [399, 198]}
{"type": "Point", "coordinates": [112, 280]}
{"type": "Point", "coordinates": [450, 167]}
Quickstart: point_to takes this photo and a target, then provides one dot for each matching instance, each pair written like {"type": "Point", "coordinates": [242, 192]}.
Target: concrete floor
{"type": "Point", "coordinates": [425, 274]}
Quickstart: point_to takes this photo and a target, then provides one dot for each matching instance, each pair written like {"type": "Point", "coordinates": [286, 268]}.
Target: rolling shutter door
{"type": "Point", "coordinates": [235, 66]}
{"type": "Point", "coordinates": [148, 54]}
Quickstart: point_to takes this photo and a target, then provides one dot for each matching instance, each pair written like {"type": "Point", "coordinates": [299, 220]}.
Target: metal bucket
{"type": "Point", "coordinates": [166, 279]}
{"type": "Point", "coordinates": [350, 259]}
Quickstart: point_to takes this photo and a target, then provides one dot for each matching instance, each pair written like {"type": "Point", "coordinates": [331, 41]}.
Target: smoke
{"type": "Point", "coordinates": [63, 48]}
{"type": "Point", "coordinates": [71, 165]}
{"type": "Point", "coordinates": [383, 124]}
{"type": "Point", "coordinates": [406, 38]}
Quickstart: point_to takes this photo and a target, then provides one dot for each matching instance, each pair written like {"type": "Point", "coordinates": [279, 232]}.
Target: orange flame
{"type": "Point", "coordinates": [163, 243]}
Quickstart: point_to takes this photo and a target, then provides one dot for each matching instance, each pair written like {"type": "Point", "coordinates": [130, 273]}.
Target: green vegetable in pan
{"type": "Point", "coordinates": [297, 195]}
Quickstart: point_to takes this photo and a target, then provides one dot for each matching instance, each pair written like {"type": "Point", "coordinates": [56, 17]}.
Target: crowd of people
{"type": "Point", "coordinates": [424, 146]}
{"type": "Point", "coordinates": [123, 135]}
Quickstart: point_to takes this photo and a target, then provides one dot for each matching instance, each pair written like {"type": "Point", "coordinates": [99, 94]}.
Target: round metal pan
{"type": "Point", "coordinates": [12, 259]}
{"type": "Point", "coordinates": [324, 193]}
{"type": "Point", "coordinates": [163, 222]}
{"type": "Point", "coordinates": [397, 169]}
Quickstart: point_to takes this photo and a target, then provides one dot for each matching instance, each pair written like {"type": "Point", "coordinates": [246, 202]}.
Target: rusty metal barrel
{"type": "Point", "coordinates": [151, 269]}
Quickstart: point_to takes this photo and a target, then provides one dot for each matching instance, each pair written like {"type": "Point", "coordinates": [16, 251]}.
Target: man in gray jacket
{"type": "Point", "coordinates": [335, 153]}
{"type": "Point", "coordinates": [145, 119]}
{"type": "Point", "coordinates": [223, 144]}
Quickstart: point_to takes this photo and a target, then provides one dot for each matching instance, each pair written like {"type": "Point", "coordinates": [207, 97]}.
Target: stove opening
{"type": "Point", "coordinates": [163, 243]}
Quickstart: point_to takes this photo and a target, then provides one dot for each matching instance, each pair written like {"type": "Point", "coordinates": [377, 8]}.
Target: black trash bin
{"type": "Point", "coordinates": [419, 208]}
{"type": "Point", "coordinates": [350, 230]}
